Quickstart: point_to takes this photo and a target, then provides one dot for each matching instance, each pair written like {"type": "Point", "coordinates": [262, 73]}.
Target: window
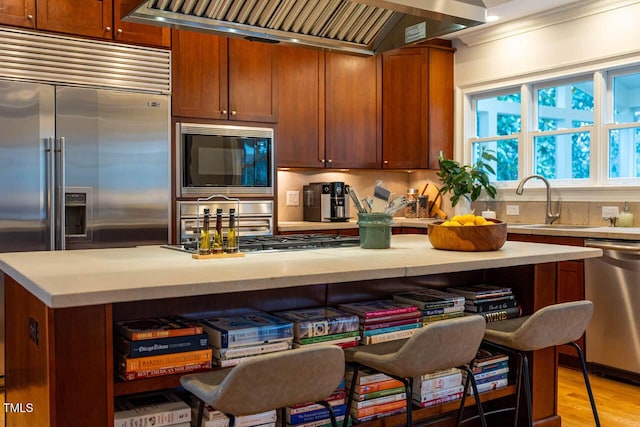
{"type": "Point", "coordinates": [498, 124]}
{"type": "Point", "coordinates": [623, 127]}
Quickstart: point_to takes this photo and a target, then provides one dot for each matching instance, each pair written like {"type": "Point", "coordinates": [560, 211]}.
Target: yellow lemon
{"type": "Point", "coordinates": [468, 224]}
{"type": "Point", "coordinates": [457, 218]}
{"type": "Point", "coordinates": [468, 218]}
{"type": "Point", "coordinates": [455, 223]}
{"type": "Point", "coordinates": [479, 220]}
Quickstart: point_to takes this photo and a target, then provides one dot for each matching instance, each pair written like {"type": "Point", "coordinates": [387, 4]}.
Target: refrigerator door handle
{"type": "Point", "coordinates": [61, 185]}
{"type": "Point", "coordinates": [50, 190]}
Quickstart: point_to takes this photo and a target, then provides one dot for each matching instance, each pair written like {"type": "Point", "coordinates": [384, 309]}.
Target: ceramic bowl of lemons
{"type": "Point", "coordinates": [469, 232]}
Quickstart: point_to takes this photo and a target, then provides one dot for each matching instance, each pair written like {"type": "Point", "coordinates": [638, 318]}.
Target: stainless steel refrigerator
{"type": "Point", "coordinates": [81, 168]}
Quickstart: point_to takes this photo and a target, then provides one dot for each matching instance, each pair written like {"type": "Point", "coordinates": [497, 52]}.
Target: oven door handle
{"type": "Point", "coordinates": [613, 247]}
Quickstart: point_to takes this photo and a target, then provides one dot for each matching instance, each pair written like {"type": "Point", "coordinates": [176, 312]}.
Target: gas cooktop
{"type": "Point", "coordinates": [282, 242]}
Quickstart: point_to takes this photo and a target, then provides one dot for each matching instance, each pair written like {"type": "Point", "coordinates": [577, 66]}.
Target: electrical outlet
{"type": "Point", "coordinates": [513, 209]}
{"type": "Point", "coordinates": [609, 211]}
{"type": "Point", "coordinates": [293, 198]}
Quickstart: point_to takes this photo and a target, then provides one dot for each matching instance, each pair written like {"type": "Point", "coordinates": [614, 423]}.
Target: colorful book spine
{"type": "Point", "coordinates": [483, 307]}
{"type": "Point", "coordinates": [376, 309]}
{"type": "Point", "coordinates": [165, 360]}
{"type": "Point", "coordinates": [441, 383]}
{"type": "Point", "coordinates": [426, 397]}
{"type": "Point", "coordinates": [314, 322]}
{"type": "Point", "coordinates": [509, 313]}
{"type": "Point", "coordinates": [492, 373]}
{"type": "Point", "coordinates": [323, 423]}
{"type": "Point", "coordinates": [372, 410]}
{"type": "Point", "coordinates": [324, 338]}
{"type": "Point", "coordinates": [491, 385]}
{"type": "Point", "coordinates": [442, 310]}
{"type": "Point", "coordinates": [381, 385]}
{"type": "Point", "coordinates": [436, 317]}
{"type": "Point", "coordinates": [162, 327]}
{"type": "Point", "coordinates": [159, 346]}
{"type": "Point", "coordinates": [389, 336]}
{"type": "Point", "coordinates": [379, 393]}
{"type": "Point", "coordinates": [307, 407]}
{"type": "Point", "coordinates": [342, 342]}
{"type": "Point", "coordinates": [390, 318]}
{"type": "Point", "coordinates": [246, 336]}
{"type": "Point", "coordinates": [235, 352]}
{"type": "Point", "coordinates": [213, 418]}
{"type": "Point", "coordinates": [319, 414]}
{"type": "Point", "coordinates": [438, 374]}
{"type": "Point", "coordinates": [378, 401]}
{"type": "Point", "coordinates": [383, 415]}
{"type": "Point", "coordinates": [440, 400]}
{"type": "Point", "coordinates": [372, 326]}
{"type": "Point", "coordinates": [193, 367]}
{"type": "Point", "coordinates": [372, 332]}
{"type": "Point", "coordinates": [158, 409]}
{"type": "Point", "coordinates": [365, 378]}
{"type": "Point", "coordinates": [488, 367]}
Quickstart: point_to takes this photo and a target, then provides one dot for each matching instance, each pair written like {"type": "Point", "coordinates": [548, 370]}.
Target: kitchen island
{"type": "Point", "coordinates": [60, 307]}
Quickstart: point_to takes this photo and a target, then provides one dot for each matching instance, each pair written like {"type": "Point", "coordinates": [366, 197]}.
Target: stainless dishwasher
{"type": "Point", "coordinates": [612, 282]}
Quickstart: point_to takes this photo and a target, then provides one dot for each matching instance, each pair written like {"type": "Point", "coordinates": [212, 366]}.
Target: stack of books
{"type": "Point", "coordinates": [491, 370]}
{"type": "Point", "coordinates": [434, 303]}
{"type": "Point", "coordinates": [385, 320]}
{"type": "Point", "coordinates": [323, 325]}
{"type": "Point", "coordinates": [315, 415]}
{"type": "Point", "coordinates": [492, 302]}
{"type": "Point", "coordinates": [214, 418]}
{"type": "Point", "coordinates": [160, 346]}
{"type": "Point", "coordinates": [377, 395]}
{"type": "Point", "coordinates": [242, 335]}
{"type": "Point", "coordinates": [158, 409]}
{"type": "Point", "coordinates": [438, 387]}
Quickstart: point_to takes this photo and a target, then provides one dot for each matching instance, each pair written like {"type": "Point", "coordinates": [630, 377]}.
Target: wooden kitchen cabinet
{"type": "Point", "coordinates": [300, 130]}
{"type": "Point", "coordinates": [91, 18]}
{"type": "Point", "coordinates": [417, 115]}
{"type": "Point", "coordinates": [353, 111]}
{"type": "Point", "coordinates": [20, 13]}
{"type": "Point", "coordinates": [226, 79]}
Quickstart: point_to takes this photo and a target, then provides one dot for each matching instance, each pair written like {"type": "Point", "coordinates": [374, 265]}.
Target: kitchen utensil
{"type": "Point", "coordinates": [433, 193]}
{"type": "Point", "coordinates": [356, 200]}
{"type": "Point", "coordinates": [396, 204]}
{"type": "Point", "coordinates": [380, 199]}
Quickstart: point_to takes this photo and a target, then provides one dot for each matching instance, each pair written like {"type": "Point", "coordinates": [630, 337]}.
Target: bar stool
{"type": "Point", "coordinates": [550, 326]}
{"type": "Point", "coordinates": [270, 381]}
{"type": "Point", "coordinates": [437, 346]}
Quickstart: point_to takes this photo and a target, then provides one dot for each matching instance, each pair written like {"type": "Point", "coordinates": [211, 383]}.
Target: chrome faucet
{"type": "Point", "coordinates": [550, 217]}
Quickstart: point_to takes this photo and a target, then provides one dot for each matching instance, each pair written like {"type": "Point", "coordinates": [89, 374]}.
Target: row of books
{"type": "Point", "coordinates": [377, 395]}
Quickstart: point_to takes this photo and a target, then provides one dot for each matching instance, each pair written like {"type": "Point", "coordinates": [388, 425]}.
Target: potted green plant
{"type": "Point", "coordinates": [466, 181]}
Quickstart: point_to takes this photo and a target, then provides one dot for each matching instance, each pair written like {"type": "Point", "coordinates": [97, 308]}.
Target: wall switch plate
{"type": "Point", "coordinates": [513, 209]}
{"type": "Point", "coordinates": [293, 198]}
{"type": "Point", "coordinates": [610, 211]}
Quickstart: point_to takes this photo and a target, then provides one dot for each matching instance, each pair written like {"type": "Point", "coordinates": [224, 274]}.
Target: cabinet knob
{"type": "Point", "coordinates": [30, 17]}
{"type": "Point", "coordinates": [119, 30]}
{"type": "Point", "coordinates": [233, 112]}
{"type": "Point", "coordinates": [329, 161]}
{"type": "Point", "coordinates": [107, 29]}
{"type": "Point", "coordinates": [224, 112]}
{"type": "Point", "coordinates": [322, 160]}
{"type": "Point", "coordinates": [385, 162]}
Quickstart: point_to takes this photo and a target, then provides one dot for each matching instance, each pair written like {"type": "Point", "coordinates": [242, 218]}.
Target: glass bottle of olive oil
{"type": "Point", "coordinates": [217, 234]}
{"type": "Point", "coordinates": [205, 235]}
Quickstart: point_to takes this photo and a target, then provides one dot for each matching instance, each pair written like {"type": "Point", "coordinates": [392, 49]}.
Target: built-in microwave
{"type": "Point", "coordinates": [222, 159]}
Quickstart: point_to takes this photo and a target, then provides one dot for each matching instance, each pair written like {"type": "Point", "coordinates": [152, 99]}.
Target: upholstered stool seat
{"type": "Point", "coordinates": [270, 381]}
{"type": "Point", "coordinates": [437, 346]}
{"type": "Point", "coordinates": [550, 326]}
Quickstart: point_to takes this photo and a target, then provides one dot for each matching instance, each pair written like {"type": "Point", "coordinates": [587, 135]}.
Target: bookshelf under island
{"type": "Point", "coordinates": [61, 306]}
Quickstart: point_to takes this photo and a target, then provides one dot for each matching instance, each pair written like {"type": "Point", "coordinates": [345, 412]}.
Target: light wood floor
{"type": "Point", "coordinates": [618, 403]}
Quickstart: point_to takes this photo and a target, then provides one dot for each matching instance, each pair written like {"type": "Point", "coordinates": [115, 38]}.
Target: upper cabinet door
{"type": "Point", "coordinates": [300, 130]}
{"type": "Point", "coordinates": [404, 110]}
{"type": "Point", "coordinates": [137, 33]}
{"type": "Point", "coordinates": [353, 111]}
{"type": "Point", "coordinates": [199, 75]}
{"type": "Point", "coordinates": [21, 13]}
{"type": "Point", "coordinates": [92, 18]}
{"type": "Point", "coordinates": [418, 107]}
{"type": "Point", "coordinates": [253, 89]}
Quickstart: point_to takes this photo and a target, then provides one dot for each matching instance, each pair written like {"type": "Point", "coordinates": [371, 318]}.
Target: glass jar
{"type": "Point", "coordinates": [411, 210]}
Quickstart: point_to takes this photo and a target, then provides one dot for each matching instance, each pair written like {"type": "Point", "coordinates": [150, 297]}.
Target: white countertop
{"type": "Point", "coordinates": [99, 276]}
{"type": "Point", "coordinates": [590, 232]}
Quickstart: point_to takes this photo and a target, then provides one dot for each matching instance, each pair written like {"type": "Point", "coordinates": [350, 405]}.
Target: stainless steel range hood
{"type": "Point", "coordinates": [363, 27]}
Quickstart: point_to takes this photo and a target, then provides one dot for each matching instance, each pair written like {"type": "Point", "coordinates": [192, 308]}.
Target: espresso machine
{"type": "Point", "coordinates": [325, 202]}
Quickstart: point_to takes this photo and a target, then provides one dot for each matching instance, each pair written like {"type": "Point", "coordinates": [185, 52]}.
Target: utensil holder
{"type": "Point", "coordinates": [375, 230]}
